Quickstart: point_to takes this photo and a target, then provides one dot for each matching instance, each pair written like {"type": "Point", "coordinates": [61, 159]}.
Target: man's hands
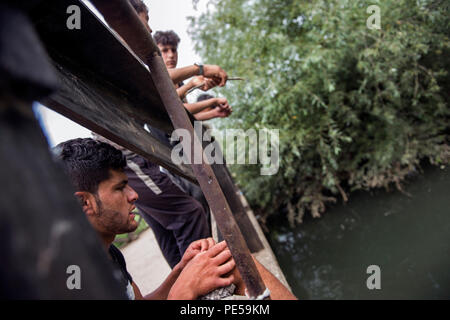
{"type": "Point", "coordinates": [205, 83]}
{"type": "Point", "coordinates": [195, 248]}
{"type": "Point", "coordinates": [219, 108]}
{"type": "Point", "coordinates": [220, 113]}
{"type": "Point", "coordinates": [212, 76]}
{"type": "Point", "coordinates": [206, 271]}
{"type": "Point", "coordinates": [216, 74]}
{"type": "Point", "coordinates": [223, 108]}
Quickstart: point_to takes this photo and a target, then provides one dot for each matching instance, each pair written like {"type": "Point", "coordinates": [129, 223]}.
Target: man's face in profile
{"type": "Point", "coordinates": [114, 205]}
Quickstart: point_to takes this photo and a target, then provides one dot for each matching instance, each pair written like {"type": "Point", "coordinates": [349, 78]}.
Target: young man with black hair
{"type": "Point", "coordinates": [176, 217]}
{"type": "Point", "coordinates": [96, 170]}
{"type": "Point", "coordinates": [216, 75]}
{"type": "Point", "coordinates": [167, 42]}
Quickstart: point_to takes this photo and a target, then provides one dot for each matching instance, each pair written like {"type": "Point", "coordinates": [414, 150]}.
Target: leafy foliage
{"type": "Point", "coordinates": [356, 108]}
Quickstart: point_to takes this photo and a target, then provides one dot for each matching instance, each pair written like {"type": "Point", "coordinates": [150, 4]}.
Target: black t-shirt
{"type": "Point", "coordinates": [119, 262]}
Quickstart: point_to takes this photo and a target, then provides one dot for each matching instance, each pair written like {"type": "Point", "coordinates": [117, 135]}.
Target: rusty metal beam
{"type": "Point", "coordinates": [231, 193]}
{"type": "Point", "coordinates": [104, 87]}
{"type": "Point", "coordinates": [122, 18]}
{"type": "Point", "coordinates": [107, 89]}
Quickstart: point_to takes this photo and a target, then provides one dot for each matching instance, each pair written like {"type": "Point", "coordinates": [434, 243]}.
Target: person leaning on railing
{"type": "Point", "coordinates": [204, 77]}
{"type": "Point", "coordinates": [96, 170]}
{"type": "Point", "coordinates": [174, 208]}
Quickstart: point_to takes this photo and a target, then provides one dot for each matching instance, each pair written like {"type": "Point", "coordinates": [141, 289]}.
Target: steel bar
{"type": "Point", "coordinates": [123, 19]}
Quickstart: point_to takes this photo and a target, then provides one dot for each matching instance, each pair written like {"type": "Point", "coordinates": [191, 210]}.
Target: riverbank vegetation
{"type": "Point", "coordinates": [357, 108]}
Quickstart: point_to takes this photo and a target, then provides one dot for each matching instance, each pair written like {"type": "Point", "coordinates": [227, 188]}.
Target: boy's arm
{"type": "Point", "coordinates": [215, 73]}
{"type": "Point", "coordinates": [200, 106]}
{"type": "Point", "coordinates": [277, 290]}
{"type": "Point", "coordinates": [217, 112]}
{"type": "Point", "coordinates": [182, 91]}
{"type": "Point", "coordinates": [180, 74]}
{"type": "Point", "coordinates": [194, 82]}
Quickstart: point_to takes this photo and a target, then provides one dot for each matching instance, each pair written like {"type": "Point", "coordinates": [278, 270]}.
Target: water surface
{"type": "Point", "coordinates": [407, 237]}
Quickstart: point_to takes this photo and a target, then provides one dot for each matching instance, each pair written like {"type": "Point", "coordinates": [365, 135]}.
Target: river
{"type": "Point", "coordinates": [407, 237]}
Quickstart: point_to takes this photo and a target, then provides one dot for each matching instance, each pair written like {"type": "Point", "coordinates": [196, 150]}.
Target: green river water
{"type": "Point", "coordinates": [408, 237]}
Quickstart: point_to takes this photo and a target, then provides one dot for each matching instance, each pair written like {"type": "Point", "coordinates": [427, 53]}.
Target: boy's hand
{"type": "Point", "coordinates": [207, 271]}
{"type": "Point", "coordinates": [215, 73]}
{"type": "Point", "coordinates": [195, 248]}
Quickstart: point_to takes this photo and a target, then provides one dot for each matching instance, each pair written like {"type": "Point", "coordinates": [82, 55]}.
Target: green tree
{"type": "Point", "coordinates": [356, 108]}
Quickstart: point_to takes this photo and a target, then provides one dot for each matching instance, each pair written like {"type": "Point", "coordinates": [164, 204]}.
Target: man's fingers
{"type": "Point", "coordinates": [198, 245]}
{"type": "Point", "coordinates": [224, 81]}
{"type": "Point", "coordinates": [214, 71]}
{"type": "Point", "coordinates": [211, 242]}
{"type": "Point", "coordinates": [209, 83]}
{"type": "Point", "coordinates": [202, 244]}
{"type": "Point", "coordinates": [223, 78]}
{"type": "Point", "coordinates": [225, 281]}
{"type": "Point", "coordinates": [226, 267]}
{"type": "Point", "coordinates": [205, 244]}
{"type": "Point", "coordinates": [223, 257]}
{"type": "Point", "coordinates": [216, 249]}
{"type": "Point", "coordinates": [216, 81]}
{"type": "Point", "coordinates": [222, 102]}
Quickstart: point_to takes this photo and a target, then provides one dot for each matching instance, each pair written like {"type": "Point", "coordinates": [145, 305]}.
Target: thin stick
{"type": "Point", "coordinates": [201, 85]}
{"type": "Point", "coordinates": [195, 88]}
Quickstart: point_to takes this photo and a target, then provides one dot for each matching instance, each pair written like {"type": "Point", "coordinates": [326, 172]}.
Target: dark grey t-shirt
{"type": "Point", "coordinates": [119, 262]}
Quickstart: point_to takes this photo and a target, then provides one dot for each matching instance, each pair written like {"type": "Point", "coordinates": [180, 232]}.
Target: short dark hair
{"type": "Point", "coordinates": [167, 38]}
{"type": "Point", "coordinates": [204, 96]}
{"type": "Point", "coordinates": [139, 6]}
{"type": "Point", "coordinates": [87, 162]}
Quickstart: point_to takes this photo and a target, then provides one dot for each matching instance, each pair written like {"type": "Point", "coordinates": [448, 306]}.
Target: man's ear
{"type": "Point", "coordinates": [87, 202]}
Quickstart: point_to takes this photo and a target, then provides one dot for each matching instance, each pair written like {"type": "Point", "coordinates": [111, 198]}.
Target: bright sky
{"type": "Point", "coordinates": [164, 15]}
